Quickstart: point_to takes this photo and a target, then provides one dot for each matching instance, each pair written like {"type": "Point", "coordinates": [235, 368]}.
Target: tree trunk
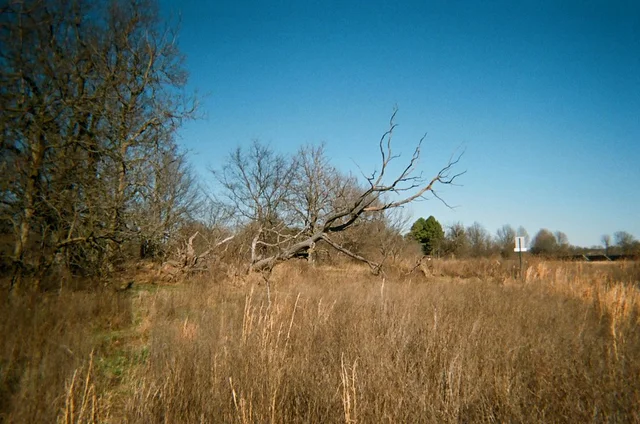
{"type": "Point", "coordinates": [30, 194]}
{"type": "Point", "coordinates": [116, 224]}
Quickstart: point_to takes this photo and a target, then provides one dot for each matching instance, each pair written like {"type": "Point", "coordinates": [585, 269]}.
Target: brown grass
{"type": "Point", "coordinates": [48, 369]}
{"type": "Point", "coordinates": [470, 343]}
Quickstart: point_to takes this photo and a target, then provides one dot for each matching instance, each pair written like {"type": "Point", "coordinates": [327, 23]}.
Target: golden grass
{"type": "Point", "coordinates": [470, 342]}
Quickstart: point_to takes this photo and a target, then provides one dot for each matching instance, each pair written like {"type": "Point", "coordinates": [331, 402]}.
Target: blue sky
{"type": "Point", "coordinates": [544, 97]}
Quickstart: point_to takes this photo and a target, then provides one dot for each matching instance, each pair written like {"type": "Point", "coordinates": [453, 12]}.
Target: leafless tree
{"type": "Point", "coordinates": [561, 238]}
{"type": "Point", "coordinates": [544, 243]}
{"type": "Point", "coordinates": [562, 241]}
{"type": "Point", "coordinates": [169, 197]}
{"type": "Point", "coordinates": [318, 190]}
{"type": "Point", "coordinates": [606, 241]}
{"type": "Point", "coordinates": [624, 241]}
{"type": "Point", "coordinates": [456, 240]}
{"type": "Point", "coordinates": [505, 237]}
{"type": "Point", "coordinates": [385, 242]}
{"type": "Point", "coordinates": [479, 240]}
{"type": "Point", "coordinates": [315, 188]}
{"type": "Point", "coordinates": [257, 184]}
{"type": "Point", "coordinates": [357, 203]}
{"type": "Point", "coordinates": [87, 91]}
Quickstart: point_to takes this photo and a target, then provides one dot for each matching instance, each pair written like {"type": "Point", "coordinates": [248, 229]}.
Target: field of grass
{"type": "Point", "coordinates": [450, 341]}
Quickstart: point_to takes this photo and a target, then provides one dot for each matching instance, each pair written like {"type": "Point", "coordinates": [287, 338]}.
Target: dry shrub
{"type": "Point", "coordinates": [336, 345]}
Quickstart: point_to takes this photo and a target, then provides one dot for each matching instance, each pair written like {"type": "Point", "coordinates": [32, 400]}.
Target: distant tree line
{"type": "Point", "coordinates": [475, 241]}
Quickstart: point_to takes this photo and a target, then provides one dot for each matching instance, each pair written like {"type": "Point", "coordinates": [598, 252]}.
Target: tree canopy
{"type": "Point", "coordinates": [429, 233]}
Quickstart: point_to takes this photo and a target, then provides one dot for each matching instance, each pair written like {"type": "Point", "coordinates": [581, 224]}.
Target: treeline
{"type": "Point", "coordinates": [476, 241]}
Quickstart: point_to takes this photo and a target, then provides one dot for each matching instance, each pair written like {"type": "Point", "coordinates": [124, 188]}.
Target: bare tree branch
{"type": "Point", "coordinates": [374, 266]}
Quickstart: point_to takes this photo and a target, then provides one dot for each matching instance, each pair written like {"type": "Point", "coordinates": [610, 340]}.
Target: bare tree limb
{"type": "Point", "coordinates": [375, 267]}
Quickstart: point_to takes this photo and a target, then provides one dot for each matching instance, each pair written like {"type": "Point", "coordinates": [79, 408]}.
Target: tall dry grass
{"type": "Point", "coordinates": [454, 341]}
{"type": "Point", "coordinates": [48, 350]}
{"type": "Point", "coordinates": [342, 346]}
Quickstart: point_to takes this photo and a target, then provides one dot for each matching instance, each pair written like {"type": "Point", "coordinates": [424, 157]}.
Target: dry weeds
{"type": "Point", "coordinates": [471, 343]}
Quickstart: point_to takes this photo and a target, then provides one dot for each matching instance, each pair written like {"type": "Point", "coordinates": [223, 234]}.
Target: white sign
{"type": "Point", "coordinates": [520, 245]}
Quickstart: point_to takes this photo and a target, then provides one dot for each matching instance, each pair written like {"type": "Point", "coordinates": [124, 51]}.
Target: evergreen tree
{"type": "Point", "coordinates": [429, 233]}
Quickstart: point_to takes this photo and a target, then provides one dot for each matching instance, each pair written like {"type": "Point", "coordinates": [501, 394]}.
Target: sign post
{"type": "Point", "coordinates": [520, 247]}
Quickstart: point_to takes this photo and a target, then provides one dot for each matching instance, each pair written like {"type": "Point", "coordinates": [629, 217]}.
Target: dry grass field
{"type": "Point", "coordinates": [449, 342]}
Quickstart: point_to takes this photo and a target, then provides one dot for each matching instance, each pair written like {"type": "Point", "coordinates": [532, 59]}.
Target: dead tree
{"type": "Point", "coordinates": [188, 261]}
{"type": "Point", "coordinates": [372, 198]}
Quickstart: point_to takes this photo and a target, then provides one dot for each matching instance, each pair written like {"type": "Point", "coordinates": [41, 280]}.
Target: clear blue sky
{"type": "Point", "coordinates": [544, 96]}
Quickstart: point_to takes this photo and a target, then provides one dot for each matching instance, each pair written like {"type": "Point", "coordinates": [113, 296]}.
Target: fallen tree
{"type": "Point", "coordinates": [318, 211]}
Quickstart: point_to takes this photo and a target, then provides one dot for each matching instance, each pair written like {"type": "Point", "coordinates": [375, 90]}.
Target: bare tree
{"type": "Point", "coordinates": [257, 183]}
{"type": "Point", "coordinates": [544, 243]}
{"type": "Point", "coordinates": [144, 109]}
{"type": "Point", "coordinates": [389, 239]}
{"type": "Point", "coordinates": [606, 241]}
{"type": "Point", "coordinates": [505, 237]}
{"type": "Point", "coordinates": [624, 241]}
{"type": "Point", "coordinates": [169, 197]}
{"type": "Point", "coordinates": [381, 192]}
{"type": "Point", "coordinates": [479, 240]}
{"type": "Point", "coordinates": [562, 241]}
{"type": "Point", "coordinates": [87, 91]}
{"type": "Point", "coordinates": [457, 241]}
{"type": "Point", "coordinates": [319, 189]}
{"type": "Point", "coordinates": [561, 238]}
{"type": "Point", "coordinates": [315, 189]}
